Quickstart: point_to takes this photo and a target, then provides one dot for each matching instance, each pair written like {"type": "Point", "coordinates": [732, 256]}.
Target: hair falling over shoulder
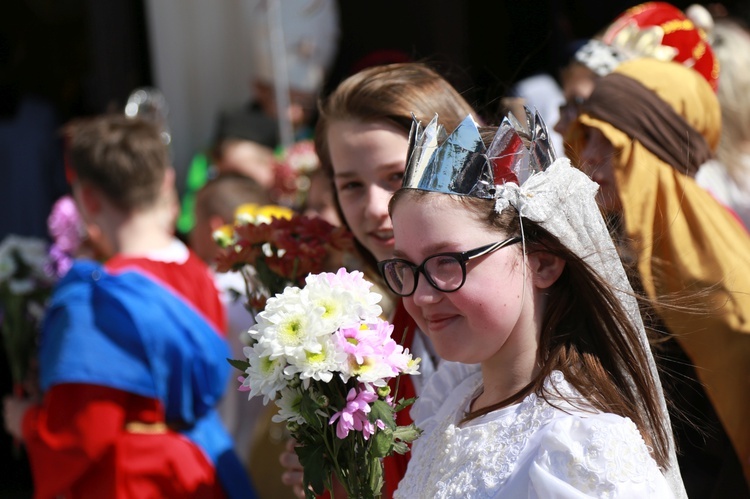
{"type": "Point", "coordinates": [586, 335]}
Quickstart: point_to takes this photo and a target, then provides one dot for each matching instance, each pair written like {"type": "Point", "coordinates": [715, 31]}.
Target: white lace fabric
{"type": "Point", "coordinates": [532, 449]}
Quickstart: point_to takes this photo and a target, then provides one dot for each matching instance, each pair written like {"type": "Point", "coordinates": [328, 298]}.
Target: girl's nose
{"type": "Point", "coordinates": [377, 201]}
{"type": "Point", "coordinates": [425, 293]}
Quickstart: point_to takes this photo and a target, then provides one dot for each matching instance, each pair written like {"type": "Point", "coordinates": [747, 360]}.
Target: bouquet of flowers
{"type": "Point", "coordinates": [324, 356]}
{"type": "Point", "coordinates": [25, 286]}
{"type": "Point", "coordinates": [274, 248]}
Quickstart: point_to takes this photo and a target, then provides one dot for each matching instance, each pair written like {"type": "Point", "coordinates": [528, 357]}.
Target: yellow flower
{"type": "Point", "coordinates": [270, 211]}
{"type": "Point", "coordinates": [246, 213]}
{"type": "Point", "coordinates": [224, 235]}
{"type": "Point", "coordinates": [251, 213]}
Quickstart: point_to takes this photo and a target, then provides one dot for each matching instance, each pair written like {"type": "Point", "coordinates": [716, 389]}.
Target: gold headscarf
{"type": "Point", "coordinates": [685, 241]}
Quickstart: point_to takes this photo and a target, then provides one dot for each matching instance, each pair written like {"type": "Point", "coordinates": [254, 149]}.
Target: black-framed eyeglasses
{"type": "Point", "coordinates": [445, 272]}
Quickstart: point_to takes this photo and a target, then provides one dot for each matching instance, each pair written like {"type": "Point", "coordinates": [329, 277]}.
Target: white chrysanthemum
{"type": "Point", "coordinates": [287, 327]}
{"type": "Point", "coordinates": [412, 364]}
{"type": "Point", "coordinates": [363, 302]}
{"type": "Point", "coordinates": [319, 365]}
{"type": "Point", "coordinates": [337, 306]}
{"type": "Point", "coordinates": [265, 376]}
{"type": "Point", "coordinates": [289, 407]}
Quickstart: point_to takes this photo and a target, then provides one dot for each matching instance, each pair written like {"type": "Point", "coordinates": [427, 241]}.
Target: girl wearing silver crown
{"type": "Point", "coordinates": [504, 261]}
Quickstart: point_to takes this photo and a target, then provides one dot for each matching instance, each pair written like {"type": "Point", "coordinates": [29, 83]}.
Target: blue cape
{"type": "Point", "coordinates": [128, 332]}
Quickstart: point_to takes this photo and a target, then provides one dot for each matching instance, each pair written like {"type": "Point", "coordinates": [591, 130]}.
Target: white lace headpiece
{"type": "Point", "coordinates": [519, 169]}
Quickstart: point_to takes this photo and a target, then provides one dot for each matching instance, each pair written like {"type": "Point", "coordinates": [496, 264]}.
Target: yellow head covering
{"type": "Point", "coordinates": [685, 241]}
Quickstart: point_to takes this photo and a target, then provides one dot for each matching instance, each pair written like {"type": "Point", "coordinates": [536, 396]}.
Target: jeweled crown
{"type": "Point", "coordinates": [460, 163]}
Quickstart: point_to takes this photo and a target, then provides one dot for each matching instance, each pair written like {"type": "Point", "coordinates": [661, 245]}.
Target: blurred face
{"type": "Point", "coordinates": [320, 201]}
{"type": "Point", "coordinates": [201, 240]}
{"type": "Point", "coordinates": [249, 159]}
{"type": "Point", "coordinates": [368, 165]}
{"type": "Point", "coordinates": [597, 162]}
{"type": "Point", "coordinates": [578, 82]}
{"type": "Point", "coordinates": [490, 319]}
{"type": "Point", "coordinates": [301, 103]}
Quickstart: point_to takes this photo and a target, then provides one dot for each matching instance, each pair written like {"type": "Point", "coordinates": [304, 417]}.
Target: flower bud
{"type": "Point", "coordinates": [384, 391]}
{"type": "Point", "coordinates": [292, 426]}
{"type": "Point", "coordinates": [322, 401]}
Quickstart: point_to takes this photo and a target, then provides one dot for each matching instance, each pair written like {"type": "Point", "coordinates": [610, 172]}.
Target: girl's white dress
{"type": "Point", "coordinates": [527, 450]}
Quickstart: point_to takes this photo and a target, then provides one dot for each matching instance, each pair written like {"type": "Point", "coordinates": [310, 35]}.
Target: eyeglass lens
{"type": "Point", "coordinates": [443, 271]}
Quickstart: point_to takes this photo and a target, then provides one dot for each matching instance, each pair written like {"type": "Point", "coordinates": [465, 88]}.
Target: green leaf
{"type": "Point", "coordinates": [382, 411]}
{"type": "Point", "coordinates": [242, 365]}
{"type": "Point", "coordinates": [376, 477]}
{"type": "Point", "coordinates": [407, 433]}
{"type": "Point", "coordinates": [400, 448]}
{"type": "Point", "coordinates": [404, 403]}
{"type": "Point", "coordinates": [312, 459]}
{"type": "Point", "coordinates": [382, 443]}
{"type": "Point", "coordinates": [308, 409]}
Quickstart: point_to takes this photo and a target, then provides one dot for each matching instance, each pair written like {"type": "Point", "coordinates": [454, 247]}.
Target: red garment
{"type": "Point", "coordinates": [394, 466]}
{"type": "Point", "coordinates": [191, 280]}
{"type": "Point", "coordinates": [79, 440]}
{"type": "Point", "coordinates": [81, 450]}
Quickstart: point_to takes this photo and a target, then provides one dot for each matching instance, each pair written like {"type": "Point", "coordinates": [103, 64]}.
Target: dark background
{"type": "Point", "coordinates": [82, 57]}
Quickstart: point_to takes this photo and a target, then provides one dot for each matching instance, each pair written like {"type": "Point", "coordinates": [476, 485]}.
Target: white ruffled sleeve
{"type": "Point", "coordinates": [600, 456]}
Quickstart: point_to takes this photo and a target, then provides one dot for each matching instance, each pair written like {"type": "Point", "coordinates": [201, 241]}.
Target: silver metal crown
{"type": "Point", "coordinates": [460, 163]}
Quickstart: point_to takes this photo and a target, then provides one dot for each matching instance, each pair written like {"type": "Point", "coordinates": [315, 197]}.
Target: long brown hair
{"type": "Point", "coordinates": [390, 93]}
{"type": "Point", "coordinates": [586, 334]}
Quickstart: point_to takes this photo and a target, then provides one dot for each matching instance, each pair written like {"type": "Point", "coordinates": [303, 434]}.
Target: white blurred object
{"type": "Point", "coordinates": [309, 35]}
{"type": "Point", "coordinates": [541, 92]}
{"type": "Point", "coordinates": [294, 43]}
{"type": "Point", "coordinates": [702, 18]}
{"type": "Point", "coordinates": [149, 103]}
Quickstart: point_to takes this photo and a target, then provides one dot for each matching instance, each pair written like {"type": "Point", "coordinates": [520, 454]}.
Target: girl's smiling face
{"type": "Point", "coordinates": [491, 318]}
{"type": "Point", "coordinates": [368, 166]}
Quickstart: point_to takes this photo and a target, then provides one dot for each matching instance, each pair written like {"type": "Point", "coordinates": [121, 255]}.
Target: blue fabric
{"type": "Point", "coordinates": [128, 332]}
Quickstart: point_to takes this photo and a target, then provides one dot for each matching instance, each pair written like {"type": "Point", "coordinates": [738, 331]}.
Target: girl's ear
{"type": "Point", "coordinates": [90, 200]}
{"type": "Point", "coordinates": [546, 268]}
{"type": "Point", "coordinates": [214, 222]}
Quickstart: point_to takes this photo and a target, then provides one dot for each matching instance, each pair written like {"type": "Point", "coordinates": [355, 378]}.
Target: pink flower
{"type": "Point", "coordinates": [243, 387]}
{"type": "Point", "coordinates": [372, 349]}
{"type": "Point", "coordinates": [354, 415]}
{"type": "Point", "coordinates": [357, 342]}
{"type": "Point", "coordinates": [66, 228]}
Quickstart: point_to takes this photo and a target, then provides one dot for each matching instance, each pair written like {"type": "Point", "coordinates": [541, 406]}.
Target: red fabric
{"type": "Point", "coordinates": [394, 466]}
{"type": "Point", "coordinates": [82, 450]}
{"type": "Point", "coordinates": [192, 281]}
